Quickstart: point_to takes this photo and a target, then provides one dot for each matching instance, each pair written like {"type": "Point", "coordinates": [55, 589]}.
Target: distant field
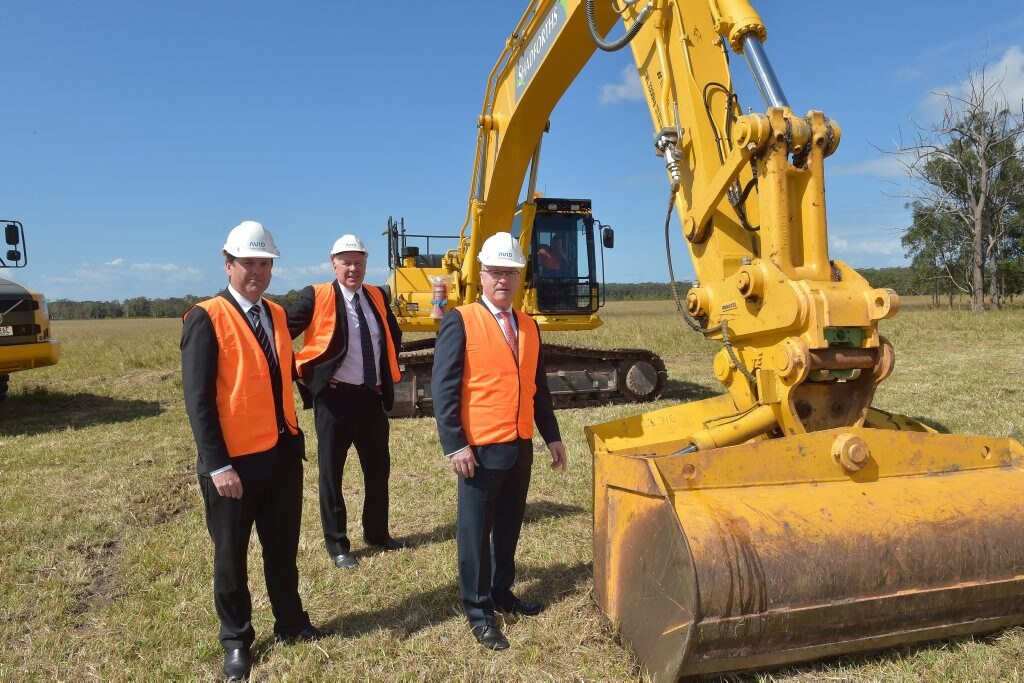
{"type": "Point", "coordinates": [105, 563]}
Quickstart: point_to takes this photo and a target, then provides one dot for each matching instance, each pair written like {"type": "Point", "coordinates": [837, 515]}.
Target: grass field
{"type": "Point", "coordinates": [105, 563]}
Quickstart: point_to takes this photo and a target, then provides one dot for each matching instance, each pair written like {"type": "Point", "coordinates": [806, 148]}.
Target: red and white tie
{"type": "Point", "coordinates": [510, 334]}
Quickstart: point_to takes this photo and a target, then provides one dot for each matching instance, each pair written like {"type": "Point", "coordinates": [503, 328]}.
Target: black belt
{"type": "Point", "coordinates": [335, 384]}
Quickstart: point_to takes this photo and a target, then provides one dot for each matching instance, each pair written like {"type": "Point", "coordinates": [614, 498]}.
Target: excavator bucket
{"type": "Point", "coordinates": [791, 549]}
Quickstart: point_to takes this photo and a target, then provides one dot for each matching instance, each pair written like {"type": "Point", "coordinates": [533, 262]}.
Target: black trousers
{"type": "Point", "coordinates": [491, 506]}
{"type": "Point", "coordinates": [272, 500]}
{"type": "Point", "coordinates": [347, 415]}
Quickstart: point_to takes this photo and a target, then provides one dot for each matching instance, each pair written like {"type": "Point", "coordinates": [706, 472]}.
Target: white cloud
{"type": "Point", "coordinates": [844, 248]}
{"type": "Point", "coordinates": [168, 272]}
{"type": "Point", "coordinates": [126, 280]}
{"type": "Point", "coordinates": [888, 166]}
{"type": "Point", "coordinates": [628, 89]}
{"type": "Point", "coordinates": [311, 273]}
{"type": "Point", "coordinates": [1009, 70]}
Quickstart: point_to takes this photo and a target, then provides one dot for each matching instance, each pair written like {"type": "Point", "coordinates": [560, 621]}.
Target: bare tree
{"type": "Point", "coordinates": [965, 174]}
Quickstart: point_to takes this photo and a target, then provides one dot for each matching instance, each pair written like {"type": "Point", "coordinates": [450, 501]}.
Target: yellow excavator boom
{"type": "Point", "coordinates": [540, 61]}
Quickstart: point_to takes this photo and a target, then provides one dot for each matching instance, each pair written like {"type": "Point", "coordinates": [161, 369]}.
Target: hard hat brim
{"type": "Point", "coordinates": [252, 254]}
{"type": "Point", "coordinates": [502, 263]}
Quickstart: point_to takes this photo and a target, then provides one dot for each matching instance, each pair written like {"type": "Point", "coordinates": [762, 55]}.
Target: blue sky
{"type": "Point", "coordinates": [134, 135]}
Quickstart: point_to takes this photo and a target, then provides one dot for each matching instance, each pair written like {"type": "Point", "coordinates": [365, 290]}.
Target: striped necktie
{"type": "Point", "coordinates": [365, 346]}
{"type": "Point", "coordinates": [264, 340]}
{"type": "Point", "coordinates": [510, 333]}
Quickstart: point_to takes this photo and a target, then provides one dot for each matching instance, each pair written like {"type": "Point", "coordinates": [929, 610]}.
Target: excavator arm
{"type": "Point", "coordinates": [801, 345]}
{"type": "Point", "coordinates": [769, 524]}
{"type": "Point", "coordinates": [540, 61]}
{"type": "Point", "coordinates": [801, 349]}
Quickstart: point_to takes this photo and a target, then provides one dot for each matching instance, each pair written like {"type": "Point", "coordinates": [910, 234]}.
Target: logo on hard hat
{"type": "Point", "coordinates": [257, 244]}
{"type": "Point", "coordinates": [505, 254]}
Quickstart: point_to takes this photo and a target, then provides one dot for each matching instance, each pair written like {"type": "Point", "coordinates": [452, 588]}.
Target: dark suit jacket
{"type": "Point", "coordinates": [446, 390]}
{"type": "Point", "coordinates": [199, 350]}
{"type": "Point", "coordinates": [316, 374]}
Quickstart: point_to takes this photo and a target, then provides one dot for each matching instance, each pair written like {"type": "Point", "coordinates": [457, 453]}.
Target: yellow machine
{"type": "Point", "coordinates": [24, 322]}
{"type": "Point", "coordinates": [562, 287]}
{"type": "Point", "coordinates": [561, 290]}
{"type": "Point", "coordinates": [786, 519]}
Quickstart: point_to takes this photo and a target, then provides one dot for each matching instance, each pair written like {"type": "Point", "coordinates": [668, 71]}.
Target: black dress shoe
{"type": "Point", "coordinates": [387, 543]}
{"type": "Point", "coordinates": [514, 605]}
{"type": "Point", "coordinates": [308, 635]}
{"type": "Point", "coordinates": [491, 637]}
{"type": "Point", "coordinates": [237, 664]}
{"type": "Point", "coordinates": [345, 561]}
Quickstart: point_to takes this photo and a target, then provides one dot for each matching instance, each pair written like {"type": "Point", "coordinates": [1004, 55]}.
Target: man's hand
{"type": "Point", "coordinates": [228, 484]}
{"type": "Point", "coordinates": [557, 449]}
{"type": "Point", "coordinates": [464, 463]}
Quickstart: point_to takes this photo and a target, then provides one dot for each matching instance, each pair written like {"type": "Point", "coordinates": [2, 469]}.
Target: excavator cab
{"type": "Point", "coordinates": [562, 275]}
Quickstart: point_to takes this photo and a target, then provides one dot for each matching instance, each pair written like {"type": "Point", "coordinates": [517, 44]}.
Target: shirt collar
{"type": "Point", "coordinates": [494, 309]}
{"type": "Point", "coordinates": [243, 302]}
{"type": "Point", "coordinates": [348, 293]}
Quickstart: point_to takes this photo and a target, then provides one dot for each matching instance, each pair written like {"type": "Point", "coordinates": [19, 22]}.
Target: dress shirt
{"type": "Point", "coordinates": [268, 327]}
{"type": "Point", "coordinates": [350, 370]}
{"type": "Point", "coordinates": [495, 311]}
{"type": "Point", "coordinates": [265, 320]}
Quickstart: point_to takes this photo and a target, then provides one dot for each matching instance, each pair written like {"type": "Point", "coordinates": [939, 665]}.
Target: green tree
{"type": "Point", "coordinates": [965, 174]}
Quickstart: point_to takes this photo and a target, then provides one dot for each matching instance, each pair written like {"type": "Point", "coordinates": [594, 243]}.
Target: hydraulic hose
{"type": "Point", "coordinates": [694, 325]}
{"type": "Point", "coordinates": [624, 40]}
{"type": "Point", "coordinates": [732, 356]}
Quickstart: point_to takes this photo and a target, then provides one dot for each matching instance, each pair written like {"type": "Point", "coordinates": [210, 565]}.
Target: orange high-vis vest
{"type": "Point", "coordinates": [321, 327]}
{"type": "Point", "coordinates": [497, 395]}
{"type": "Point", "coordinates": [245, 393]}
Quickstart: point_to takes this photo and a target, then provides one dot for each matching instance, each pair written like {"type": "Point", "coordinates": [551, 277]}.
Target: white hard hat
{"type": "Point", "coordinates": [502, 250]}
{"type": "Point", "coordinates": [348, 243]}
{"type": "Point", "coordinates": [250, 239]}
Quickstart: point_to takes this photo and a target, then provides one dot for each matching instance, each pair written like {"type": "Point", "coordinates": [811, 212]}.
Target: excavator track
{"type": "Point", "coordinates": [578, 377]}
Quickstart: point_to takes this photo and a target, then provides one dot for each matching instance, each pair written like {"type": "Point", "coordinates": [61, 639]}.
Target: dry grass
{"type": "Point", "coordinates": [105, 561]}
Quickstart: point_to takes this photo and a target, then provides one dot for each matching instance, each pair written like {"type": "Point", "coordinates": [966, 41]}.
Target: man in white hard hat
{"type": "Point", "coordinates": [235, 346]}
{"type": "Point", "coordinates": [489, 387]}
{"type": "Point", "coordinates": [348, 367]}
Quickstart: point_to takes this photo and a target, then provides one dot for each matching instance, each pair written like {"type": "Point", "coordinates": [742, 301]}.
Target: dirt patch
{"type": "Point", "coordinates": [101, 590]}
{"type": "Point", "coordinates": [164, 502]}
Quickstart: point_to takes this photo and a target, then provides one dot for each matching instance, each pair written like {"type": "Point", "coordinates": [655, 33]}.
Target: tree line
{"type": "Point", "coordinates": [904, 280]}
{"type": "Point", "coordinates": [175, 307]}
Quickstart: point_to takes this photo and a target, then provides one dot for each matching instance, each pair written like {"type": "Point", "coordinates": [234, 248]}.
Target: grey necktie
{"type": "Point", "coordinates": [264, 340]}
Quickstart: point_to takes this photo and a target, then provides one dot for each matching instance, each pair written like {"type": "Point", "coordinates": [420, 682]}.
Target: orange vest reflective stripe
{"type": "Point", "coordinates": [497, 396]}
{"type": "Point", "coordinates": [245, 394]}
{"type": "Point", "coordinates": [321, 327]}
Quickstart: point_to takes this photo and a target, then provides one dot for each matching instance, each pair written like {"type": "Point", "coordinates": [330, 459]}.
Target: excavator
{"type": "Point", "coordinates": [561, 291]}
{"type": "Point", "coordinates": [25, 341]}
{"type": "Point", "coordinates": [786, 519]}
